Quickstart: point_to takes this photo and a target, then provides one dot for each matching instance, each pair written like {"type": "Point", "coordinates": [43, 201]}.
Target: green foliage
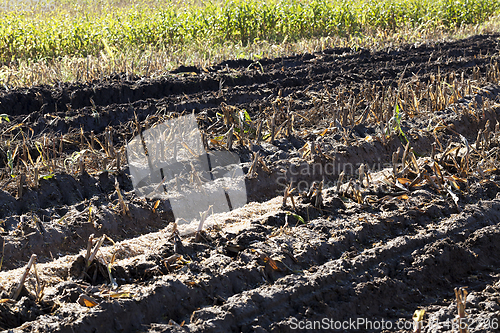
{"type": "Point", "coordinates": [245, 121]}
{"type": "Point", "coordinates": [74, 157]}
{"type": "Point", "coordinates": [297, 217]}
{"type": "Point", "coordinates": [395, 124]}
{"type": "Point", "coordinates": [91, 27]}
{"type": "Point", "coordinates": [10, 163]}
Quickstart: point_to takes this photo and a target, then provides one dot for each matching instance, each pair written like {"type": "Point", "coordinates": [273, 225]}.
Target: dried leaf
{"type": "Point", "coordinates": [458, 179]}
{"type": "Point", "coordinates": [387, 182]}
{"type": "Point", "coordinates": [90, 214]}
{"type": "Point", "coordinates": [455, 185]}
{"type": "Point", "coordinates": [414, 161]}
{"type": "Point", "coordinates": [437, 168]}
{"type": "Point", "coordinates": [120, 295]}
{"type": "Point", "coordinates": [400, 186]}
{"type": "Point", "coordinates": [419, 315]}
{"type": "Point", "coordinates": [87, 301]}
{"type": "Point", "coordinates": [305, 150]}
{"type": "Point", "coordinates": [271, 263]}
{"type": "Point", "coordinates": [173, 258]}
{"type": "Point", "coordinates": [404, 181]}
{"type": "Point", "coordinates": [216, 142]}
{"type": "Point", "coordinates": [267, 259]}
{"type": "Point", "coordinates": [157, 203]}
{"type": "Point", "coordinates": [14, 127]}
{"type": "Point", "coordinates": [451, 150]}
{"type": "Point", "coordinates": [438, 127]}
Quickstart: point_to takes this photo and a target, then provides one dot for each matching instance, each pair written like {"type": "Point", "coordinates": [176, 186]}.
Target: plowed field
{"type": "Point", "coordinates": [402, 144]}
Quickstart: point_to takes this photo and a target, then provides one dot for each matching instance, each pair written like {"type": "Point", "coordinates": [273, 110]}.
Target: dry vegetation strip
{"type": "Point", "coordinates": [64, 41]}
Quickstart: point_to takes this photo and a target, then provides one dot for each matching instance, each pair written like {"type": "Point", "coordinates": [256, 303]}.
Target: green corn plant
{"type": "Point", "coordinates": [79, 30]}
{"type": "Point", "coordinates": [395, 125]}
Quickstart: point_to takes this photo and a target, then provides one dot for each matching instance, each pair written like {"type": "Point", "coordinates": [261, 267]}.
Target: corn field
{"type": "Point", "coordinates": [88, 28]}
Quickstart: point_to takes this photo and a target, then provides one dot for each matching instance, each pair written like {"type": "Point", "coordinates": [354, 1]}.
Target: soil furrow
{"type": "Point", "coordinates": [404, 143]}
{"type": "Point", "coordinates": [337, 287]}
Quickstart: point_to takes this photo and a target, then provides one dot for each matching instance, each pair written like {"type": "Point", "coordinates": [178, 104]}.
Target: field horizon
{"type": "Point", "coordinates": [87, 40]}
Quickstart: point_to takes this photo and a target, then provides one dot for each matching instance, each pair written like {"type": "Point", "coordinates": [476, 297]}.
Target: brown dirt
{"type": "Point", "coordinates": [265, 267]}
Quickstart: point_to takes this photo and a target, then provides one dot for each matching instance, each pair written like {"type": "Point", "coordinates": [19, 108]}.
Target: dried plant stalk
{"type": "Point", "coordinates": [124, 206]}
{"type": "Point", "coordinates": [230, 137]}
{"type": "Point", "coordinates": [339, 181]}
{"type": "Point", "coordinates": [17, 291]}
{"type": "Point", "coordinates": [461, 295]}
{"type": "Point", "coordinates": [96, 248]}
